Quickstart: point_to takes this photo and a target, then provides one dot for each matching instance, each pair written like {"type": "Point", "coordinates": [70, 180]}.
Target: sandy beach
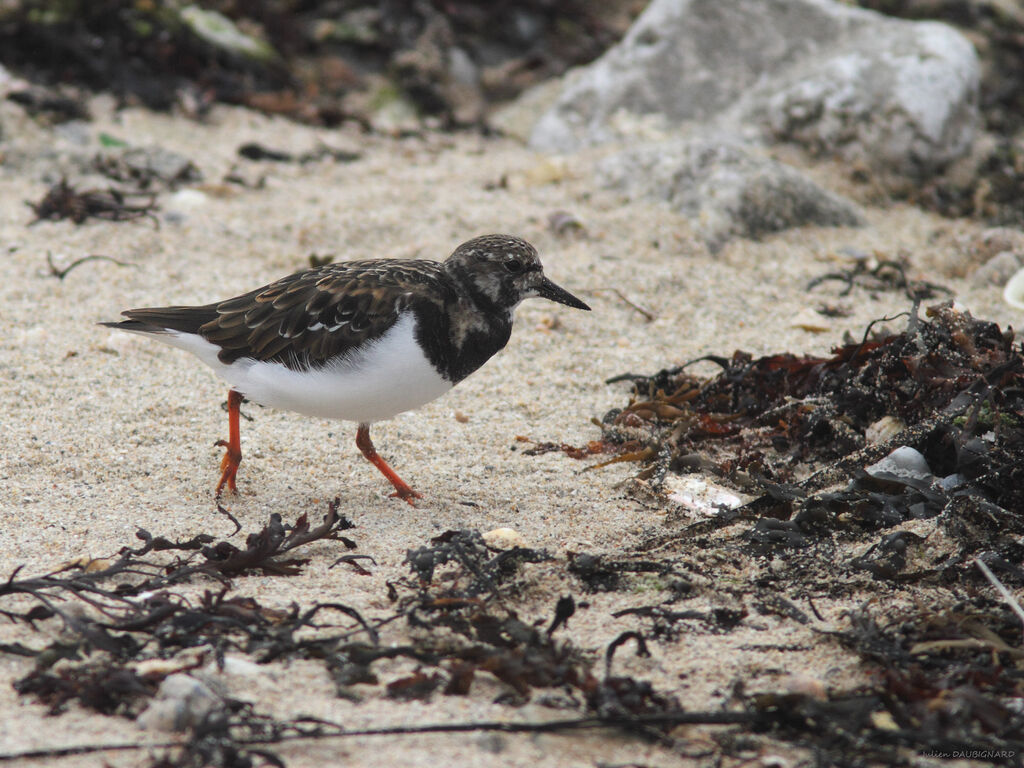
{"type": "Point", "coordinates": [106, 433]}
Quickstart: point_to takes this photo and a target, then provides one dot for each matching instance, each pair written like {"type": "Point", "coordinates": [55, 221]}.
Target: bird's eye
{"type": "Point", "coordinates": [514, 265]}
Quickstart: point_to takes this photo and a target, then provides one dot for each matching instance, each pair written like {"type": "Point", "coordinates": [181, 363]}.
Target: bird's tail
{"type": "Point", "coordinates": [155, 320]}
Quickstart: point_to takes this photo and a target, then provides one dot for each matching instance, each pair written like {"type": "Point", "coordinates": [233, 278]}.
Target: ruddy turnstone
{"type": "Point", "coordinates": [360, 341]}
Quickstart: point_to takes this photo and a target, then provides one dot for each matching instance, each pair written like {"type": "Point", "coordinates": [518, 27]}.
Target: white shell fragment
{"type": "Point", "coordinates": [884, 429]}
{"type": "Point", "coordinates": [884, 721]}
{"type": "Point", "coordinates": [187, 200]}
{"type": "Point", "coordinates": [905, 466]}
{"type": "Point", "coordinates": [1013, 292]}
{"type": "Point", "coordinates": [810, 320]}
{"type": "Point", "coordinates": [237, 666]}
{"type": "Point", "coordinates": [504, 538]}
{"type": "Point", "coordinates": [698, 495]}
{"type": "Point", "coordinates": [162, 668]}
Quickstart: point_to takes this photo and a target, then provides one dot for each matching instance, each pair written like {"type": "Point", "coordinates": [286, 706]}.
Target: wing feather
{"type": "Point", "coordinates": [310, 317]}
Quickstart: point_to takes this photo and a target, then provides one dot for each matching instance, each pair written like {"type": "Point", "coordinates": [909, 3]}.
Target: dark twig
{"type": "Point", "coordinates": [60, 274]}
{"type": "Point", "coordinates": [646, 313]}
{"type": "Point", "coordinates": [326, 730]}
{"type": "Point", "coordinates": [229, 516]}
{"type": "Point", "coordinates": [625, 637]}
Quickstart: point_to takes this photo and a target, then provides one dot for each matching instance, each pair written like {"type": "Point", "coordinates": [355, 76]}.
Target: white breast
{"type": "Point", "coordinates": [386, 377]}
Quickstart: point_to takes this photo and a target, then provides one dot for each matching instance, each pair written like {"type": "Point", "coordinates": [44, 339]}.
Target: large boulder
{"type": "Point", "coordinates": [725, 189]}
{"type": "Point", "coordinates": [894, 95]}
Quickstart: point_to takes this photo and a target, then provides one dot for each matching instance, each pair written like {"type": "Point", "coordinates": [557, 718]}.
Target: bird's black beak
{"type": "Point", "coordinates": [548, 290]}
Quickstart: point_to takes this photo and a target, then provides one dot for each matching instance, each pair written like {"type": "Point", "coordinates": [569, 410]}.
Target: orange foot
{"type": "Point", "coordinates": [233, 447]}
{"type": "Point", "coordinates": [402, 491]}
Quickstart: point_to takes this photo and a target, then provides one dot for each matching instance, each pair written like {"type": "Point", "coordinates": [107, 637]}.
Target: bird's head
{"type": "Point", "coordinates": [499, 271]}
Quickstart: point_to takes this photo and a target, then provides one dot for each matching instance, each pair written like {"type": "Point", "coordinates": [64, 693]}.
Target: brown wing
{"type": "Point", "coordinates": [307, 318]}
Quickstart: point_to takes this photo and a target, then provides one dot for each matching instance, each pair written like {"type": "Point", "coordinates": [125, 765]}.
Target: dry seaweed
{"type": "Point", "coordinates": [104, 686]}
{"type": "Point", "coordinates": [467, 549]}
{"type": "Point", "coordinates": [470, 600]}
{"type": "Point", "coordinates": [50, 105]}
{"type": "Point", "coordinates": [991, 193]}
{"type": "Point", "coordinates": [231, 741]}
{"type": "Point", "coordinates": [63, 201]}
{"type": "Point", "coordinates": [122, 611]}
{"type": "Point", "coordinates": [946, 674]}
{"type": "Point", "coordinates": [883, 275]}
{"type": "Point", "coordinates": [139, 602]}
{"type": "Point", "coordinates": [600, 573]}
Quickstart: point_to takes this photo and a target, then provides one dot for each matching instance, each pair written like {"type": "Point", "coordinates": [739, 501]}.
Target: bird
{"type": "Point", "coordinates": [358, 341]}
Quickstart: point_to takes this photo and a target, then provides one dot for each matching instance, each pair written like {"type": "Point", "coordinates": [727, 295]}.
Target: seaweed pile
{"type": "Point", "coordinates": [132, 643]}
{"type": "Point", "coordinates": [136, 640]}
{"type": "Point", "coordinates": [949, 390]}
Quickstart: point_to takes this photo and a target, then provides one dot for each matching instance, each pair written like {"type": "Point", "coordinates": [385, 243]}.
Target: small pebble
{"type": "Point", "coordinates": [504, 538]}
{"type": "Point", "coordinates": [181, 702]}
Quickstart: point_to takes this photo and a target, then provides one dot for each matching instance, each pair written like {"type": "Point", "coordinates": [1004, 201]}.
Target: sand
{"type": "Point", "coordinates": [104, 433]}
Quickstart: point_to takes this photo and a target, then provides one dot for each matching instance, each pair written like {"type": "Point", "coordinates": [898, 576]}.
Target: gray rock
{"type": "Point", "coordinates": [951, 482]}
{"type": "Point", "coordinates": [836, 79]}
{"type": "Point", "coordinates": [181, 702]}
{"type": "Point", "coordinates": [893, 96]}
{"type": "Point", "coordinates": [725, 189]}
{"type": "Point", "coordinates": [998, 269]}
{"type": "Point", "coordinates": [905, 466]}
{"type": "Point", "coordinates": [519, 117]}
{"type": "Point", "coordinates": [152, 165]}
{"type": "Point", "coordinates": [77, 133]}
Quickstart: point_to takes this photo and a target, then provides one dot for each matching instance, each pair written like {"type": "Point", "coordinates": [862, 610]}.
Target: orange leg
{"type": "Point", "coordinates": [233, 445]}
{"type": "Point", "coordinates": [402, 491]}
